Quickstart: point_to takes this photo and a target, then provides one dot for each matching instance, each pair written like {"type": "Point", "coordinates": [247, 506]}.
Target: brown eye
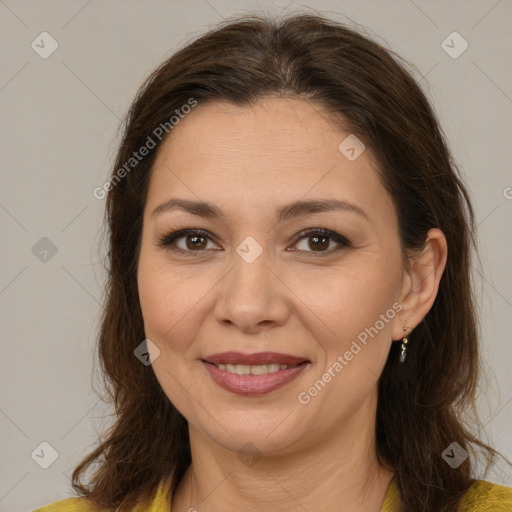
{"type": "Point", "coordinates": [320, 240]}
{"type": "Point", "coordinates": [194, 240]}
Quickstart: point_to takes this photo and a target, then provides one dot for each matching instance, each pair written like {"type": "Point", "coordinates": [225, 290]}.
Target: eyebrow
{"type": "Point", "coordinates": [284, 213]}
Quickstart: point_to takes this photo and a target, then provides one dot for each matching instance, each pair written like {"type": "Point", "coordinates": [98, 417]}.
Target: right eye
{"type": "Point", "coordinates": [195, 240]}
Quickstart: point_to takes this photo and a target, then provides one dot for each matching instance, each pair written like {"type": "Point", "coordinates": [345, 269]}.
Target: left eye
{"type": "Point", "coordinates": [320, 240]}
{"type": "Point", "coordinates": [197, 240]}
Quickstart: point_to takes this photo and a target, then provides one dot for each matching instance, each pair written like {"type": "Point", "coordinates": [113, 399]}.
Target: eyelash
{"type": "Point", "coordinates": [167, 240]}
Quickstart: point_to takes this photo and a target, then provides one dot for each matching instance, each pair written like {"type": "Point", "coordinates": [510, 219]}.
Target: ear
{"type": "Point", "coordinates": [420, 282]}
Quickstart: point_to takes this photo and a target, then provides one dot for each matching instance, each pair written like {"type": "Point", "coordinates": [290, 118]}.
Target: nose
{"type": "Point", "coordinates": [252, 297]}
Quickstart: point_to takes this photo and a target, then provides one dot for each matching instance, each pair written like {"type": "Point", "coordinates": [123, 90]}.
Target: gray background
{"type": "Point", "coordinates": [59, 132]}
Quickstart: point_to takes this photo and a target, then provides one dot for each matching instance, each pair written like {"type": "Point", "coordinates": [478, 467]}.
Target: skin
{"type": "Point", "coordinates": [249, 161]}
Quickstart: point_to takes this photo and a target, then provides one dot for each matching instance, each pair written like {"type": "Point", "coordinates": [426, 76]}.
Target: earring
{"type": "Point", "coordinates": [404, 345]}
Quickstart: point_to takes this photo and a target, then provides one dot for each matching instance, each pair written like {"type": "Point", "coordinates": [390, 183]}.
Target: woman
{"type": "Point", "coordinates": [289, 322]}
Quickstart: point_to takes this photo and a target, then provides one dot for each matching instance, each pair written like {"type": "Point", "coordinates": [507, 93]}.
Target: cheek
{"type": "Point", "coordinates": [175, 302]}
{"type": "Point", "coordinates": [345, 302]}
{"type": "Point", "coordinates": [359, 313]}
{"type": "Point", "coordinates": [170, 313]}
{"type": "Point", "coordinates": [165, 298]}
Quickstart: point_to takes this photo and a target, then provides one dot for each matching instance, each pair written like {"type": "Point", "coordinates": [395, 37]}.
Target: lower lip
{"type": "Point", "coordinates": [253, 385]}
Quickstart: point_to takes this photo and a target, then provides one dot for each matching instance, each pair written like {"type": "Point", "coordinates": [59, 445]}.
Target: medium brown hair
{"type": "Point", "coordinates": [368, 90]}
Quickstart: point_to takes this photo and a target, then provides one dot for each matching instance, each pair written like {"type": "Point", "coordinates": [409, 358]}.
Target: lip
{"type": "Point", "coordinates": [253, 359]}
{"type": "Point", "coordinates": [253, 385]}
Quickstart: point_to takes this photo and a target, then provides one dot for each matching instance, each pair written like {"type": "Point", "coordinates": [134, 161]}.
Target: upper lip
{"type": "Point", "coordinates": [253, 359]}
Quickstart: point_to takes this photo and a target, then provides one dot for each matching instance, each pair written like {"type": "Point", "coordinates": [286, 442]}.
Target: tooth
{"type": "Point", "coordinates": [243, 369]}
{"type": "Point", "coordinates": [255, 369]}
{"type": "Point", "coordinates": [259, 369]}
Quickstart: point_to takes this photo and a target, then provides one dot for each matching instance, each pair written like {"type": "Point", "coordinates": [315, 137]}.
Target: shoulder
{"type": "Point", "coordinates": [69, 505]}
{"type": "Point", "coordinates": [160, 503]}
{"type": "Point", "coordinates": [485, 496]}
{"type": "Point", "coordinates": [482, 496]}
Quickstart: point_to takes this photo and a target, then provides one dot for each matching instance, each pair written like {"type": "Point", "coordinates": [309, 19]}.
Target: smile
{"type": "Point", "coordinates": [253, 374]}
{"type": "Point", "coordinates": [256, 369]}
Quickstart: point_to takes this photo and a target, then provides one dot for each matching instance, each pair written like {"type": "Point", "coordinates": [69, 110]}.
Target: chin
{"type": "Point", "coordinates": [268, 433]}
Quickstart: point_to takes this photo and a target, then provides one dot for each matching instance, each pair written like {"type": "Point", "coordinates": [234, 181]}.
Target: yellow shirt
{"type": "Point", "coordinates": [482, 496]}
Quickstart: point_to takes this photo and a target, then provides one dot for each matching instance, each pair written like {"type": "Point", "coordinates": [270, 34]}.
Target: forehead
{"type": "Point", "coordinates": [250, 156]}
{"type": "Point", "coordinates": [276, 128]}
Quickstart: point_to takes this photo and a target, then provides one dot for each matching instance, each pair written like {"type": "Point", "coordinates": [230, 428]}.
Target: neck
{"type": "Point", "coordinates": [341, 469]}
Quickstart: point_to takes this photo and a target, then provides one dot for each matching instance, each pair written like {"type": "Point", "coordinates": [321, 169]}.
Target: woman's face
{"type": "Point", "coordinates": [304, 322]}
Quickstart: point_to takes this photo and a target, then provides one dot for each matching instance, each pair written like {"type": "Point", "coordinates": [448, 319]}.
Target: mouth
{"type": "Point", "coordinates": [253, 374]}
{"type": "Point", "coordinates": [254, 369]}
